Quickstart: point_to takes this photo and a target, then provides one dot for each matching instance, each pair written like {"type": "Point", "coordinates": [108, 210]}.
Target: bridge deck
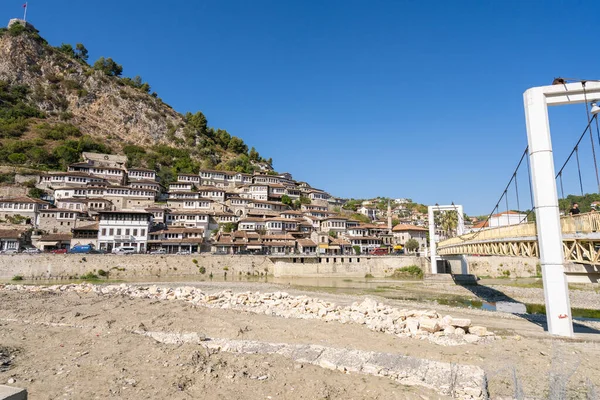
{"type": "Point", "coordinates": [581, 240]}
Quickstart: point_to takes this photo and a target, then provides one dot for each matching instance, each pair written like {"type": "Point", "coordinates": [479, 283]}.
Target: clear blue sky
{"type": "Point", "coordinates": [361, 98]}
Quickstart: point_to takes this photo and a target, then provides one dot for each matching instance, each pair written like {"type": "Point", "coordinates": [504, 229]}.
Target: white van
{"type": "Point", "coordinates": [124, 250]}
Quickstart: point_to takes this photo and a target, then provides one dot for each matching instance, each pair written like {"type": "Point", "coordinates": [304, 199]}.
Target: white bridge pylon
{"type": "Point", "coordinates": [537, 100]}
{"type": "Point", "coordinates": [460, 229]}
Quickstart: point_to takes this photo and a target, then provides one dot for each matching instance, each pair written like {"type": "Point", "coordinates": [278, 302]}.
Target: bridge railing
{"type": "Point", "coordinates": [582, 223]}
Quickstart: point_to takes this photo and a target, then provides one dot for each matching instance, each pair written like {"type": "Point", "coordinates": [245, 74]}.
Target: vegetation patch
{"type": "Point", "coordinates": [411, 272]}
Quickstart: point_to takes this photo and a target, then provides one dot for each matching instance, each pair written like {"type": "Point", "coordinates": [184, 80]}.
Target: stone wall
{"type": "Point", "coordinates": [502, 266]}
{"type": "Point", "coordinates": [142, 266]}
{"type": "Point", "coordinates": [346, 266]}
{"type": "Point", "coordinates": [63, 266]}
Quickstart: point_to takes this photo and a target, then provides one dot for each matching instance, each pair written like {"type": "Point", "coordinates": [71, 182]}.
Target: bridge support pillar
{"type": "Point", "coordinates": [556, 292]}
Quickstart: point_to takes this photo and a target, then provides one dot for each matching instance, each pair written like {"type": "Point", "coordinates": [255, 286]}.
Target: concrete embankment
{"type": "Point", "coordinates": [65, 266]}
{"type": "Point", "coordinates": [145, 266]}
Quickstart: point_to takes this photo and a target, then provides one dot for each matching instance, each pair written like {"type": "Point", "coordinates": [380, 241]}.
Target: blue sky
{"type": "Point", "coordinates": [360, 98]}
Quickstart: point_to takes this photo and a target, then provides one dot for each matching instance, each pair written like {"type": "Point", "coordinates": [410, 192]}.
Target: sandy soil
{"type": "Point", "coordinates": [81, 347]}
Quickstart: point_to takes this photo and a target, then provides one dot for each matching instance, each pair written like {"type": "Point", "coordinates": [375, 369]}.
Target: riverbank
{"type": "Point", "coordinates": [74, 345]}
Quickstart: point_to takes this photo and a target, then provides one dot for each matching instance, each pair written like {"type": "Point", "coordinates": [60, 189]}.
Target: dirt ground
{"type": "Point", "coordinates": [82, 347]}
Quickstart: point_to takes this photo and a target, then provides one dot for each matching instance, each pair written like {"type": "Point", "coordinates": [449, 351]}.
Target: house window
{"type": "Point", "coordinates": [103, 231]}
{"type": "Point", "coordinates": [111, 232]}
{"type": "Point", "coordinates": [119, 232]}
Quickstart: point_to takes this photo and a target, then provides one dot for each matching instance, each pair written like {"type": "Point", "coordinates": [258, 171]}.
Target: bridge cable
{"type": "Point", "coordinates": [576, 145]}
{"type": "Point", "coordinates": [497, 206]}
{"type": "Point", "coordinates": [517, 192]}
{"type": "Point", "coordinates": [587, 112]}
{"type": "Point", "coordinates": [578, 169]}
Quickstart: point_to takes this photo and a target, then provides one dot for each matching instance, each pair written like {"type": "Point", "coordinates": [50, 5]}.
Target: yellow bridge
{"type": "Point", "coordinates": [581, 240]}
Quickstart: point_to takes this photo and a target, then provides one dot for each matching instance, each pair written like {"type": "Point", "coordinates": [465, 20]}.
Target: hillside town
{"type": "Point", "coordinates": [102, 203]}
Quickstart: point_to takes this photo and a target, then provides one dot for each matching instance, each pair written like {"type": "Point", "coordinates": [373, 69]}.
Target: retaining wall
{"type": "Point", "coordinates": [65, 266]}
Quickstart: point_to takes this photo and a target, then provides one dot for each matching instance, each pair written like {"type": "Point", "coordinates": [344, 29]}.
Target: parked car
{"type": "Point", "coordinates": [379, 252]}
{"type": "Point", "coordinates": [159, 251]}
{"type": "Point", "coordinates": [124, 250]}
{"type": "Point", "coordinates": [31, 250]}
{"type": "Point", "coordinates": [183, 253]}
{"type": "Point", "coordinates": [59, 251]}
{"type": "Point", "coordinates": [9, 251]}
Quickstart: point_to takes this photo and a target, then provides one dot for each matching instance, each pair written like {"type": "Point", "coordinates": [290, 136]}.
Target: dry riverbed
{"type": "Point", "coordinates": [78, 344]}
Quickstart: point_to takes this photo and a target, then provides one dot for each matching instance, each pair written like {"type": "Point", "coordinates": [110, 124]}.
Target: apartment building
{"type": "Point", "coordinates": [25, 207]}
{"type": "Point", "coordinates": [124, 228]}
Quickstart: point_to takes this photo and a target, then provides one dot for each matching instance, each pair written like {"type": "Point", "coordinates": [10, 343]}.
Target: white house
{"type": "Point", "coordinates": [507, 218]}
{"type": "Point", "coordinates": [124, 228]}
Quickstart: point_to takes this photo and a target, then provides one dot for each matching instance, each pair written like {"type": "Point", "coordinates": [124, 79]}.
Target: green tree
{"type": "Point", "coordinates": [285, 199]}
{"type": "Point", "coordinates": [253, 154]}
{"type": "Point", "coordinates": [36, 193]}
{"type": "Point", "coordinates": [411, 245]}
{"type": "Point", "coordinates": [237, 145]}
{"type": "Point", "coordinates": [356, 249]}
{"type": "Point", "coordinates": [229, 227]}
{"type": "Point", "coordinates": [333, 233]}
{"type": "Point", "coordinates": [304, 200]}
{"type": "Point", "coordinates": [67, 49]}
{"type": "Point", "coordinates": [81, 52]}
{"type": "Point", "coordinates": [108, 66]}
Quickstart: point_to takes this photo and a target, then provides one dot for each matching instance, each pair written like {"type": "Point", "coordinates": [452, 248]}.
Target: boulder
{"type": "Point", "coordinates": [471, 338]}
{"type": "Point", "coordinates": [459, 331]}
{"type": "Point", "coordinates": [429, 325]}
{"type": "Point", "coordinates": [461, 322]}
{"type": "Point", "coordinates": [478, 330]}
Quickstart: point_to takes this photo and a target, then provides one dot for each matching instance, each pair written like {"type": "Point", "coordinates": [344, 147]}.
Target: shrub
{"type": "Point", "coordinates": [225, 268]}
{"type": "Point", "coordinates": [369, 276]}
{"type": "Point", "coordinates": [412, 271]}
{"type": "Point", "coordinates": [195, 261]}
{"type": "Point", "coordinates": [202, 270]}
{"type": "Point", "coordinates": [17, 278]}
{"type": "Point", "coordinates": [89, 276]}
{"type": "Point", "coordinates": [102, 272]}
{"type": "Point", "coordinates": [16, 29]}
{"type": "Point", "coordinates": [36, 193]}
{"type": "Point", "coordinates": [356, 249]}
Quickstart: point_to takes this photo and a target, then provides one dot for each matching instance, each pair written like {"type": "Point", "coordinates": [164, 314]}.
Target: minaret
{"type": "Point", "coordinates": [389, 213]}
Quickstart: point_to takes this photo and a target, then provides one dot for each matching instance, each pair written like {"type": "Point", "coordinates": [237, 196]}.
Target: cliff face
{"type": "Point", "coordinates": [111, 110]}
{"type": "Point", "coordinates": [100, 106]}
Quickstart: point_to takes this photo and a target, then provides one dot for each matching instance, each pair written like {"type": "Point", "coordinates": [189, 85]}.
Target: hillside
{"type": "Point", "coordinates": [54, 105]}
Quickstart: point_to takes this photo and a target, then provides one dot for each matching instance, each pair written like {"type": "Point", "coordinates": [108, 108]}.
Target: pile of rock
{"type": "Point", "coordinates": [375, 316]}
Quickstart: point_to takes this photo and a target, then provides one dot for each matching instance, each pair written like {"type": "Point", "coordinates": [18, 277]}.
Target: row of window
{"type": "Point", "coordinates": [17, 206]}
{"type": "Point", "coordinates": [119, 232]}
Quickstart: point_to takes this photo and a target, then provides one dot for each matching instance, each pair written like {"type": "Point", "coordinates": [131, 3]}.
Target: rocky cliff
{"type": "Point", "coordinates": [97, 104]}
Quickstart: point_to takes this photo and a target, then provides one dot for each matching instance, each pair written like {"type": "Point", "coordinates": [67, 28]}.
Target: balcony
{"type": "Point", "coordinates": [124, 238]}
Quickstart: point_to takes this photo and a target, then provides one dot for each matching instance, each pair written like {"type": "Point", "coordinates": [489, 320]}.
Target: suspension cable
{"type": "Point", "coordinates": [517, 193]}
{"type": "Point", "coordinates": [505, 192]}
{"type": "Point", "coordinates": [579, 169]}
{"type": "Point", "coordinates": [576, 144]}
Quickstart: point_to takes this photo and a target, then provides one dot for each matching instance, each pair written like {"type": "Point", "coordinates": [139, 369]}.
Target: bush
{"type": "Point", "coordinates": [16, 29]}
{"type": "Point", "coordinates": [89, 276]}
{"type": "Point", "coordinates": [17, 278]}
{"type": "Point", "coordinates": [202, 270]}
{"type": "Point", "coordinates": [369, 276]}
{"type": "Point", "coordinates": [412, 271]}
{"type": "Point", "coordinates": [195, 261]}
{"type": "Point", "coordinates": [57, 131]}
{"type": "Point", "coordinates": [103, 273]}
{"type": "Point", "coordinates": [356, 249]}
{"type": "Point", "coordinates": [36, 193]}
